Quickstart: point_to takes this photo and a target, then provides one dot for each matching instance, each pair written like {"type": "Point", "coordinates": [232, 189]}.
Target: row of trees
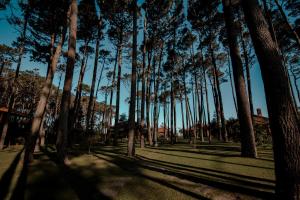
{"type": "Point", "coordinates": [177, 59]}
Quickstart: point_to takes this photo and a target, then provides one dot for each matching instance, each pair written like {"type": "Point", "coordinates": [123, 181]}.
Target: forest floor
{"type": "Point", "coordinates": [181, 171]}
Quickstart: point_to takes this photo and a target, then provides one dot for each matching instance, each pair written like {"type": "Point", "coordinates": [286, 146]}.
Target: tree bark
{"type": "Point", "coordinates": [116, 130]}
{"type": "Point", "coordinates": [284, 119]}
{"type": "Point", "coordinates": [131, 132]}
{"type": "Point", "coordinates": [77, 101]}
{"type": "Point", "coordinates": [62, 134]}
{"type": "Point", "coordinates": [91, 99]}
{"type": "Point", "coordinates": [248, 147]}
{"type": "Point", "coordinates": [142, 142]}
{"type": "Point", "coordinates": [36, 123]}
{"type": "Point", "coordinates": [219, 96]}
{"type": "Point", "coordinates": [148, 94]}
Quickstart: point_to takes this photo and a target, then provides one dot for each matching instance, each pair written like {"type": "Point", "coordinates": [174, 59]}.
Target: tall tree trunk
{"type": "Point", "coordinates": [207, 106]}
{"type": "Point", "coordinates": [248, 146]}
{"type": "Point", "coordinates": [172, 111]}
{"type": "Point", "coordinates": [13, 92]}
{"type": "Point", "coordinates": [148, 94]}
{"type": "Point", "coordinates": [116, 130]}
{"type": "Point", "coordinates": [175, 119]}
{"type": "Point", "coordinates": [36, 123]}
{"type": "Point", "coordinates": [57, 98]}
{"type": "Point", "coordinates": [217, 106]}
{"type": "Point", "coordinates": [200, 109]}
{"type": "Point", "coordinates": [62, 134]}
{"type": "Point", "coordinates": [248, 75]}
{"type": "Point", "coordinates": [156, 91]}
{"type": "Point", "coordinates": [91, 99]}
{"type": "Point", "coordinates": [131, 145]}
{"type": "Point", "coordinates": [77, 100]}
{"type": "Point", "coordinates": [96, 97]}
{"type": "Point", "coordinates": [194, 116]}
{"type": "Point", "coordinates": [142, 142]}
{"type": "Point", "coordinates": [231, 84]}
{"type": "Point", "coordinates": [182, 114]}
{"type": "Point", "coordinates": [284, 119]}
{"type": "Point", "coordinates": [223, 121]}
{"type": "Point", "coordinates": [111, 97]}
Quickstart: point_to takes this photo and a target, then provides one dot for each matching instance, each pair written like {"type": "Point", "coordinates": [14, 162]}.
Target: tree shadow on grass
{"type": "Point", "coordinates": [7, 177]}
{"type": "Point", "coordinates": [97, 181]}
{"type": "Point", "coordinates": [210, 172]}
{"type": "Point", "coordinates": [213, 160]}
{"type": "Point", "coordinates": [133, 168]}
{"type": "Point", "coordinates": [19, 190]}
{"type": "Point", "coordinates": [161, 168]}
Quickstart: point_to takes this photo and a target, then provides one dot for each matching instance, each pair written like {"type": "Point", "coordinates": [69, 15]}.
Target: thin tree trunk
{"type": "Point", "coordinates": [182, 113]}
{"type": "Point", "coordinates": [77, 100]}
{"type": "Point", "coordinates": [223, 121]}
{"type": "Point", "coordinates": [96, 97]}
{"type": "Point", "coordinates": [172, 112]}
{"type": "Point", "coordinates": [248, 147]}
{"type": "Point", "coordinates": [142, 143]}
{"type": "Point", "coordinates": [248, 75]}
{"type": "Point", "coordinates": [156, 90]}
{"type": "Point", "coordinates": [91, 99]}
{"type": "Point", "coordinates": [284, 119]}
{"type": "Point", "coordinates": [131, 132]}
{"type": "Point", "coordinates": [57, 98]}
{"type": "Point", "coordinates": [207, 106]}
{"type": "Point", "coordinates": [111, 97]}
{"type": "Point", "coordinates": [148, 94]}
{"type": "Point", "coordinates": [116, 130]}
{"type": "Point", "coordinates": [217, 106]}
{"type": "Point", "coordinates": [231, 84]}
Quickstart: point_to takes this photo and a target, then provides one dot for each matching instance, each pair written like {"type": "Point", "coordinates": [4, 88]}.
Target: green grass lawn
{"type": "Point", "coordinates": [178, 171]}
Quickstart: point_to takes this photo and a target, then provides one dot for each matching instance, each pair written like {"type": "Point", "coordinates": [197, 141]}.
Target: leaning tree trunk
{"type": "Point", "coordinates": [62, 134]}
{"type": "Point", "coordinates": [131, 147]}
{"type": "Point", "coordinates": [36, 123]}
{"type": "Point", "coordinates": [284, 118]}
{"type": "Point", "coordinates": [248, 147]}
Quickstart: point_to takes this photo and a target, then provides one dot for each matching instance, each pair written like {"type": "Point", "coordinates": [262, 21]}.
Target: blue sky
{"type": "Point", "coordinates": [8, 34]}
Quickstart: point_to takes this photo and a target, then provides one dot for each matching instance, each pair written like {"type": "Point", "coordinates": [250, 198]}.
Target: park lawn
{"type": "Point", "coordinates": [168, 172]}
